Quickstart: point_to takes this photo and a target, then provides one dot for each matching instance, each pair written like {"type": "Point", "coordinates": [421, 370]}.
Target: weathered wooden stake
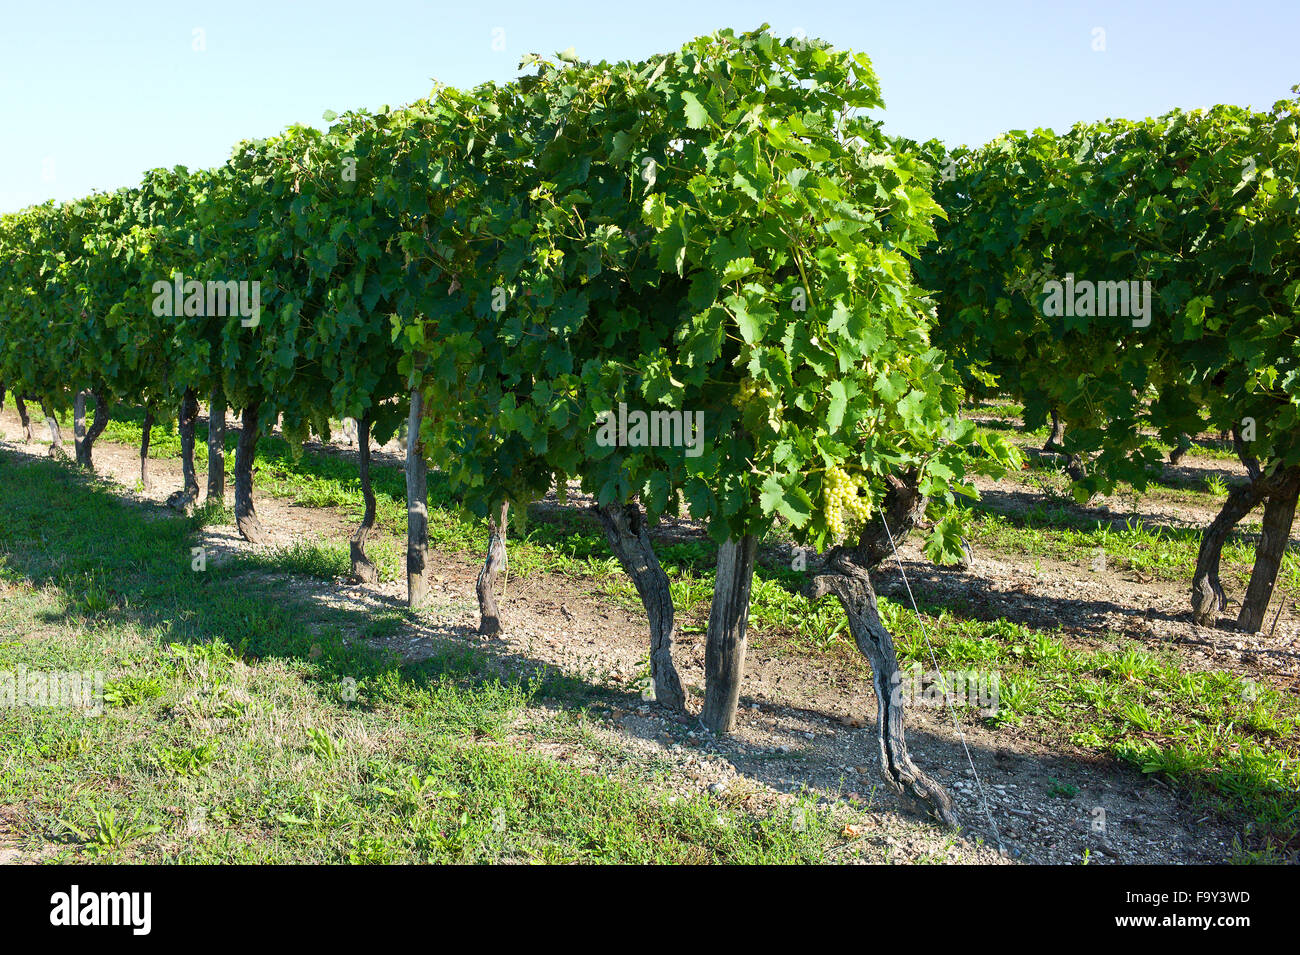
{"type": "Point", "coordinates": [250, 528]}
{"type": "Point", "coordinates": [489, 616]}
{"type": "Point", "coordinates": [56, 434]}
{"type": "Point", "coordinates": [363, 569]}
{"type": "Point", "coordinates": [724, 651]}
{"type": "Point", "coordinates": [28, 434]}
{"type": "Point", "coordinates": [146, 432]}
{"type": "Point", "coordinates": [217, 445]}
{"type": "Point", "coordinates": [417, 507]}
{"type": "Point", "coordinates": [79, 429]}
{"type": "Point", "coordinates": [186, 424]}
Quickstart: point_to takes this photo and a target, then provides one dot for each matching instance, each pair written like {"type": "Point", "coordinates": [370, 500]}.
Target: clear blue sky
{"type": "Point", "coordinates": [93, 93]}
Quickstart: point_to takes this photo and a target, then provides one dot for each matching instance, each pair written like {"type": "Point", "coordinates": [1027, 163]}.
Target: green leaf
{"type": "Point", "coordinates": [793, 504]}
{"type": "Point", "coordinates": [697, 117]}
{"type": "Point", "coordinates": [839, 402]}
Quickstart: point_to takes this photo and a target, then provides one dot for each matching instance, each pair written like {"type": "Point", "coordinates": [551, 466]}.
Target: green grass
{"type": "Point", "coordinates": [240, 726]}
{"type": "Point", "coordinates": [325, 559]}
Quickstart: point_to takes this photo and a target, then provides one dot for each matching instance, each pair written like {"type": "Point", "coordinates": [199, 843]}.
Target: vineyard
{"type": "Point", "coordinates": [692, 377]}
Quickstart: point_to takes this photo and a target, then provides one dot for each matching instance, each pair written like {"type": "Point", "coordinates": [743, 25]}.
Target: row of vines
{"type": "Point", "coordinates": [1196, 213]}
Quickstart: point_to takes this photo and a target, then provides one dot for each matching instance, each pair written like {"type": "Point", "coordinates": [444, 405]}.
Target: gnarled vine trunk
{"type": "Point", "coordinates": [1279, 491]}
{"type": "Point", "coordinates": [363, 569]}
{"type": "Point", "coordinates": [1208, 598]}
{"type": "Point", "coordinates": [84, 438]}
{"type": "Point", "coordinates": [846, 574]}
{"type": "Point", "coordinates": [1177, 452]}
{"type": "Point", "coordinates": [1076, 467]}
{"type": "Point", "coordinates": [1279, 513]}
{"type": "Point", "coordinates": [250, 528]}
{"type": "Point", "coordinates": [851, 585]}
{"type": "Point", "coordinates": [900, 512]}
{"type": "Point", "coordinates": [489, 616]}
{"type": "Point", "coordinates": [1056, 436]}
{"type": "Point", "coordinates": [417, 507]}
{"type": "Point", "coordinates": [628, 536]}
{"type": "Point", "coordinates": [724, 650]}
{"type": "Point", "coordinates": [103, 408]}
{"type": "Point", "coordinates": [217, 445]}
{"type": "Point", "coordinates": [188, 420]}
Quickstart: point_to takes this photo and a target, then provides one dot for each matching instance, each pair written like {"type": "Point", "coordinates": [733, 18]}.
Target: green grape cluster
{"type": "Point", "coordinates": [845, 509]}
{"type": "Point", "coordinates": [749, 390]}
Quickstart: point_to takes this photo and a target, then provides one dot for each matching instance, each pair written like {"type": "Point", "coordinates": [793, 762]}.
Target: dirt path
{"type": "Point", "coordinates": [806, 723]}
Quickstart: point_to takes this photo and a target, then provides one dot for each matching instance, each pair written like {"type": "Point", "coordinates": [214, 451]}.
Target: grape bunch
{"type": "Point", "coordinates": [845, 509]}
{"type": "Point", "coordinates": [749, 390]}
{"type": "Point", "coordinates": [759, 405]}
